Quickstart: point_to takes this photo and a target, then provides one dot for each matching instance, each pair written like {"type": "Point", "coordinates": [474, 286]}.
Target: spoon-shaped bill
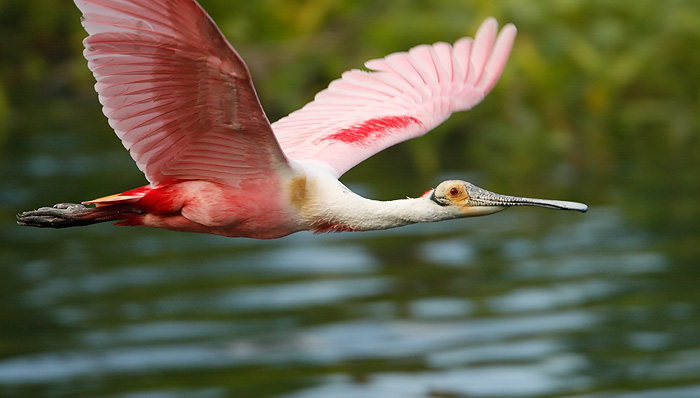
{"type": "Point", "coordinates": [481, 197]}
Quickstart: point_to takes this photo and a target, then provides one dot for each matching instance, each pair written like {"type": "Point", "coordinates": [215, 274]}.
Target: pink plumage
{"type": "Point", "coordinates": [183, 103]}
{"type": "Point", "coordinates": [176, 93]}
{"type": "Point", "coordinates": [425, 85]}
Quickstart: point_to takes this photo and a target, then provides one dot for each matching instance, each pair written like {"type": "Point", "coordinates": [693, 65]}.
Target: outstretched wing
{"type": "Point", "coordinates": [177, 94]}
{"type": "Point", "coordinates": [404, 96]}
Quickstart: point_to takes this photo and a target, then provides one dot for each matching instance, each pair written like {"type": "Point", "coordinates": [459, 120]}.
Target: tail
{"type": "Point", "coordinates": [65, 215]}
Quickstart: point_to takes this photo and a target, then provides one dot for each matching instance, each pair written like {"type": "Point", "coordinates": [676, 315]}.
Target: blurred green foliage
{"type": "Point", "coordinates": [599, 98]}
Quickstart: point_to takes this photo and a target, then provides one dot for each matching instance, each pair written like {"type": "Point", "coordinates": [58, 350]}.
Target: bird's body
{"type": "Point", "coordinates": [183, 103]}
{"type": "Point", "coordinates": [305, 200]}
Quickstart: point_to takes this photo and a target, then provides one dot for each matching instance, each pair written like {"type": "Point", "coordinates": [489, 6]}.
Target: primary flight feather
{"type": "Point", "coordinates": [183, 103]}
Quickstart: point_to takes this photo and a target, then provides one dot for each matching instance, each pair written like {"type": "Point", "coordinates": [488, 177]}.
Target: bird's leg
{"type": "Point", "coordinates": [64, 215]}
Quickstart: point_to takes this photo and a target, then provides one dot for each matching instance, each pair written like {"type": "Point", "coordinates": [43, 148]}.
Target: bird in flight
{"type": "Point", "coordinates": [182, 102]}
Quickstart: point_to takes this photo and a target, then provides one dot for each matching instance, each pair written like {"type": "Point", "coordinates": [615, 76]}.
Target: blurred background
{"type": "Point", "coordinates": [599, 104]}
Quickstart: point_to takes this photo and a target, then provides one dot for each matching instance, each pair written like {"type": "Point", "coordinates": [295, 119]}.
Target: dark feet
{"type": "Point", "coordinates": [59, 216]}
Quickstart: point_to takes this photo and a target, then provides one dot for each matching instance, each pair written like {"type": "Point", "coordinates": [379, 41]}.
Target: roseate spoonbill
{"type": "Point", "coordinates": [183, 103]}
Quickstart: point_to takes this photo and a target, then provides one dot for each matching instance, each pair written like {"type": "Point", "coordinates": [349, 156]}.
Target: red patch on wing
{"type": "Point", "coordinates": [371, 130]}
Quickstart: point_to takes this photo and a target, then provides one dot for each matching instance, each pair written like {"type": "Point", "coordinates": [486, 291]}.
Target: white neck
{"type": "Point", "coordinates": [329, 206]}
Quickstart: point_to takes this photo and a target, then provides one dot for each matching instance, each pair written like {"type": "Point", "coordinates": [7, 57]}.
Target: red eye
{"type": "Point", "coordinates": [454, 191]}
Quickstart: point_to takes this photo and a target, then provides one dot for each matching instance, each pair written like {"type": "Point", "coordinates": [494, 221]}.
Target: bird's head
{"type": "Point", "coordinates": [468, 200]}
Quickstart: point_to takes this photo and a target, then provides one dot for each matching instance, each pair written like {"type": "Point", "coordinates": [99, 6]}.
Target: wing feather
{"type": "Point", "coordinates": [176, 93]}
{"type": "Point", "coordinates": [402, 96]}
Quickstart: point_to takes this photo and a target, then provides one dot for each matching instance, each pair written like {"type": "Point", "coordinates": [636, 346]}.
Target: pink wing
{"type": "Point", "coordinates": [405, 96]}
{"type": "Point", "coordinates": [177, 94]}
